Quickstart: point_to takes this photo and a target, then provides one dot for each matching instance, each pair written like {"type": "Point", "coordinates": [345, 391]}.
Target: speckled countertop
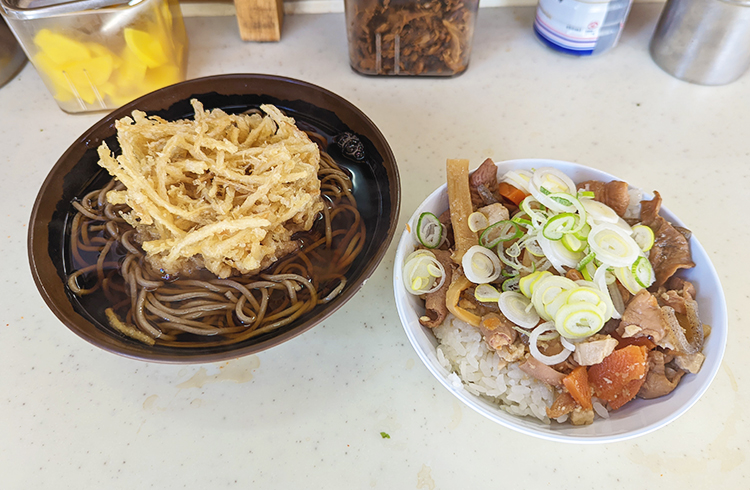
{"type": "Point", "coordinates": [309, 413]}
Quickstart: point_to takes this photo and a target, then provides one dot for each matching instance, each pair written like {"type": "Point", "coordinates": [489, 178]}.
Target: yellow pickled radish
{"type": "Point", "coordinates": [166, 14]}
{"type": "Point", "coordinates": [146, 47]}
{"type": "Point", "coordinates": [94, 71]}
{"type": "Point", "coordinates": [53, 73]}
{"type": "Point", "coordinates": [100, 50]}
{"type": "Point", "coordinates": [60, 49]}
{"type": "Point", "coordinates": [162, 76]}
{"type": "Point", "coordinates": [132, 71]}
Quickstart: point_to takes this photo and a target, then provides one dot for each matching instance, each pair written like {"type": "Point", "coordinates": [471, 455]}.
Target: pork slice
{"type": "Point", "coordinates": [690, 362]}
{"type": "Point", "coordinates": [445, 220]}
{"type": "Point", "coordinates": [483, 185]}
{"type": "Point", "coordinates": [542, 372]}
{"type": "Point", "coordinates": [670, 252]}
{"type": "Point", "coordinates": [435, 308]}
{"type": "Point", "coordinates": [497, 330]}
{"type": "Point", "coordinates": [650, 209]}
{"type": "Point", "coordinates": [614, 194]}
{"type": "Point", "coordinates": [643, 318]}
{"type": "Point", "coordinates": [594, 350]}
{"type": "Point", "coordinates": [495, 212]}
{"type": "Point", "coordinates": [660, 379]}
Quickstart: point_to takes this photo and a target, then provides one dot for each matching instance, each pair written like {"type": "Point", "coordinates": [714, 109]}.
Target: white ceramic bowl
{"type": "Point", "coordinates": [634, 419]}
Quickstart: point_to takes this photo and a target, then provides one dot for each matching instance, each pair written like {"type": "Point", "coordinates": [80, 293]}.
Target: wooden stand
{"type": "Point", "coordinates": [260, 20]}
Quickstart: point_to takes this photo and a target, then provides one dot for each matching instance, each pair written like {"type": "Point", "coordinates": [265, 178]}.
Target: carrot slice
{"type": "Point", "coordinates": [616, 378]}
{"type": "Point", "coordinates": [511, 193]}
{"type": "Point", "coordinates": [577, 383]}
{"type": "Point", "coordinates": [628, 393]}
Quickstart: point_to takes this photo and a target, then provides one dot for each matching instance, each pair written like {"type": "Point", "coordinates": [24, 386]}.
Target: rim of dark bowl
{"type": "Point", "coordinates": [233, 86]}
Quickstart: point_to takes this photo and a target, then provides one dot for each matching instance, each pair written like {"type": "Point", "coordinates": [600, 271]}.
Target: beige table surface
{"type": "Point", "coordinates": [309, 413]}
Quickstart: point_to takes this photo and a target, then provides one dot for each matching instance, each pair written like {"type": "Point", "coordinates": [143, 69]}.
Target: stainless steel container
{"type": "Point", "coordinates": [12, 57]}
{"type": "Point", "coordinates": [703, 41]}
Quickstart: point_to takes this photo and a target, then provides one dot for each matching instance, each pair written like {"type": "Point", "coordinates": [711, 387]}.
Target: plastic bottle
{"type": "Point", "coordinates": [581, 28]}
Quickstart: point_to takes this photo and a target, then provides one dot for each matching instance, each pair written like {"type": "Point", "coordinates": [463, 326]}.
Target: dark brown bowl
{"type": "Point", "coordinates": [376, 188]}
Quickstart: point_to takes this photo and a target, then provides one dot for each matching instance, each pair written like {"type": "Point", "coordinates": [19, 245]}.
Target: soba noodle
{"type": "Point", "coordinates": [207, 311]}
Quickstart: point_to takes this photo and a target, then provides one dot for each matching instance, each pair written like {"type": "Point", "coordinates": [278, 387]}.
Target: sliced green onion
{"type": "Point", "coordinates": [643, 272]}
{"type": "Point", "coordinates": [578, 320]}
{"type": "Point", "coordinates": [502, 231]}
{"type": "Point", "coordinates": [478, 221]}
{"type": "Point", "coordinates": [510, 284]}
{"type": "Point", "coordinates": [613, 245]}
{"type": "Point", "coordinates": [534, 348]}
{"type": "Point", "coordinates": [600, 279]}
{"type": "Point", "coordinates": [572, 243]}
{"type": "Point", "coordinates": [644, 237]}
{"type": "Point", "coordinates": [515, 307]}
{"type": "Point", "coordinates": [534, 248]}
{"type": "Point", "coordinates": [546, 291]}
{"type": "Point", "coordinates": [422, 273]}
{"type": "Point", "coordinates": [526, 283]}
{"type": "Point", "coordinates": [429, 230]}
{"type": "Point", "coordinates": [481, 265]}
{"type": "Point", "coordinates": [600, 212]}
{"type": "Point", "coordinates": [585, 261]}
{"type": "Point", "coordinates": [486, 293]}
{"type": "Point", "coordinates": [521, 219]}
{"type": "Point", "coordinates": [587, 194]}
{"type": "Point", "coordinates": [558, 255]}
{"type": "Point", "coordinates": [583, 233]}
{"type": "Point", "coordinates": [568, 203]}
{"type": "Point", "coordinates": [518, 178]}
{"type": "Point", "coordinates": [559, 225]}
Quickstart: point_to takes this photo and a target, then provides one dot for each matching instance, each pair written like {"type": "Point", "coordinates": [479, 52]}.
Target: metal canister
{"type": "Point", "coordinates": [703, 41]}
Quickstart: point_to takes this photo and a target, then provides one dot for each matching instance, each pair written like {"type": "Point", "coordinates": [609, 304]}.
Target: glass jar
{"type": "Point", "coordinates": [94, 59]}
{"type": "Point", "coordinates": [410, 37]}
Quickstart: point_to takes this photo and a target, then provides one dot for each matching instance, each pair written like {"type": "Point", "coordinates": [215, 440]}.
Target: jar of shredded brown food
{"type": "Point", "coordinates": [410, 37]}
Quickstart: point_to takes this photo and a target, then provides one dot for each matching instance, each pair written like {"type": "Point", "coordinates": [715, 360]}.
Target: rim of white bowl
{"type": "Point", "coordinates": [595, 433]}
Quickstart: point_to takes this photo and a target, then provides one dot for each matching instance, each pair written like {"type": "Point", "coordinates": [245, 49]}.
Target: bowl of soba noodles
{"type": "Point", "coordinates": [214, 218]}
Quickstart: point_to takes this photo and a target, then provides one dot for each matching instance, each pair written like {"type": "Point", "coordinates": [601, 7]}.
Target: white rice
{"type": "Point", "coordinates": [475, 366]}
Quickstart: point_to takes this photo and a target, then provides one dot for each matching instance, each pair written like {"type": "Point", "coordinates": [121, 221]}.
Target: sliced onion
{"type": "Point", "coordinates": [534, 348]}
{"type": "Point", "coordinates": [514, 306]}
{"type": "Point", "coordinates": [481, 265]}
{"type": "Point", "coordinates": [613, 245]}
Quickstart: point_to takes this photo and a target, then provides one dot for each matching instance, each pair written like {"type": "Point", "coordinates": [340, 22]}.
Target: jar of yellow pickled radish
{"type": "Point", "coordinates": [97, 55]}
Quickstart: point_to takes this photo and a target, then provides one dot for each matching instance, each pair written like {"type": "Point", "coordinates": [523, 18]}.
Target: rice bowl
{"type": "Point", "coordinates": [637, 418]}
